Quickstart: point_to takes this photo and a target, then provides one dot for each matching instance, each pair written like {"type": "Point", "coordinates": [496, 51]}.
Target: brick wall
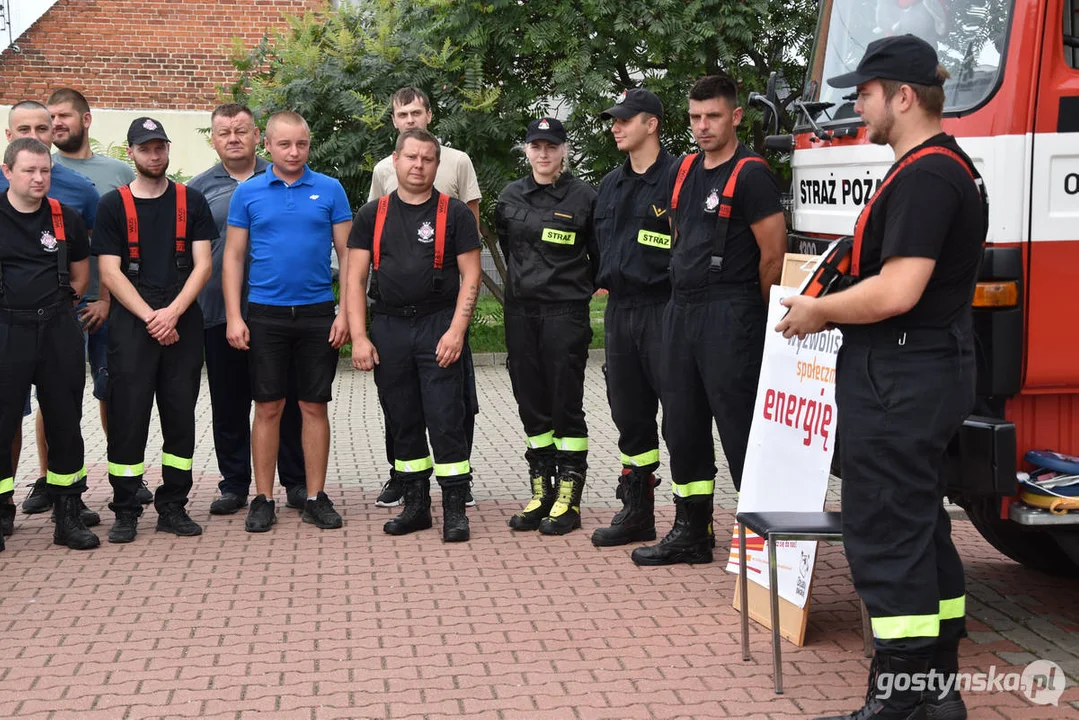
{"type": "Point", "coordinates": [167, 54]}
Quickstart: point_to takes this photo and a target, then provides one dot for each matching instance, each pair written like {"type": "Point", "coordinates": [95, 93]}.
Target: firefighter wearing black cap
{"type": "Point", "coordinates": [44, 266]}
{"type": "Point", "coordinates": [728, 237]}
{"type": "Point", "coordinates": [545, 230]}
{"type": "Point", "coordinates": [152, 239]}
{"type": "Point", "coordinates": [905, 379]}
{"type": "Point", "coordinates": [425, 250]}
{"type": "Point", "coordinates": [634, 240]}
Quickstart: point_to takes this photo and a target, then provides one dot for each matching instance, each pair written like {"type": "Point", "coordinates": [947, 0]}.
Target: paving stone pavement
{"type": "Point", "coordinates": [302, 623]}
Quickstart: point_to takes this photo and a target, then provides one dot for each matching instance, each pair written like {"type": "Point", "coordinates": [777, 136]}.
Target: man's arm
{"type": "Point", "coordinates": [339, 331]}
{"type": "Point", "coordinates": [232, 278]}
{"type": "Point", "coordinates": [771, 236]}
{"type": "Point", "coordinates": [164, 320]}
{"type": "Point", "coordinates": [112, 277]}
{"type": "Point", "coordinates": [79, 275]}
{"type": "Point", "coordinates": [364, 355]}
{"type": "Point", "coordinates": [474, 206]}
{"type": "Point", "coordinates": [452, 342]}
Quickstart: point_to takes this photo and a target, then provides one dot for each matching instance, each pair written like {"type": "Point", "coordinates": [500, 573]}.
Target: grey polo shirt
{"type": "Point", "coordinates": [217, 185]}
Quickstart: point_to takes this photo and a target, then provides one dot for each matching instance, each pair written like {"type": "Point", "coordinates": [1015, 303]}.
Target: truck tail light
{"type": "Point", "coordinates": [996, 294]}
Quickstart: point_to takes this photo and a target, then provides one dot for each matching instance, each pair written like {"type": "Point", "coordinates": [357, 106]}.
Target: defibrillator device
{"type": "Point", "coordinates": [131, 219]}
{"type": "Point", "coordinates": [441, 216]}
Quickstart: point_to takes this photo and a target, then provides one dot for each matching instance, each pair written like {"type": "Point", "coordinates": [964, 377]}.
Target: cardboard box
{"type": "Point", "coordinates": [796, 266]}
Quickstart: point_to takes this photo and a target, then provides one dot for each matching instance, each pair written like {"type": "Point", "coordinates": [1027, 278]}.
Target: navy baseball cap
{"type": "Point", "coordinates": [546, 128]}
{"type": "Point", "coordinates": [904, 58]}
{"type": "Point", "coordinates": [633, 102]}
{"type": "Point", "coordinates": [144, 129]}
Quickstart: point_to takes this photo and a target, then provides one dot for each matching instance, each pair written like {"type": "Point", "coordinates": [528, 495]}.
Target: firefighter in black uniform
{"type": "Point", "coordinates": [44, 267]}
{"type": "Point", "coordinates": [728, 239]}
{"type": "Point", "coordinates": [905, 376]}
{"type": "Point", "coordinates": [544, 225]}
{"type": "Point", "coordinates": [425, 250]}
{"type": "Point", "coordinates": [153, 242]}
{"type": "Point", "coordinates": [634, 240]}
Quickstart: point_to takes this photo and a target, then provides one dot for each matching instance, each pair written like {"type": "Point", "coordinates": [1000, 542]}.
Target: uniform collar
{"type": "Point", "coordinates": [219, 171]}
{"type": "Point", "coordinates": [558, 189]}
{"type": "Point", "coordinates": [308, 177]}
{"type": "Point", "coordinates": [653, 174]}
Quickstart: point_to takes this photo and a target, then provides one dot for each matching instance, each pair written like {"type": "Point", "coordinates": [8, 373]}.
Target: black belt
{"type": "Point", "coordinates": [381, 308]}
{"type": "Point", "coordinates": [322, 309]}
{"type": "Point", "coordinates": [32, 316]}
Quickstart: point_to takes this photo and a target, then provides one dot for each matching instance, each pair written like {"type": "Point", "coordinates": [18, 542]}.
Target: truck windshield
{"type": "Point", "coordinates": [970, 37]}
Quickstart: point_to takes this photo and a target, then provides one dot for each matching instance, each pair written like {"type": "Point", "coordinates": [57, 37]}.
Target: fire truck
{"type": "Point", "coordinates": [1013, 104]}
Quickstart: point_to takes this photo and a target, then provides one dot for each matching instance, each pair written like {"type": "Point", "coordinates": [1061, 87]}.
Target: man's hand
{"type": "Point", "coordinates": [94, 315]}
{"type": "Point", "coordinates": [161, 322]}
{"type": "Point", "coordinates": [339, 331]}
{"type": "Point", "coordinates": [364, 355]}
{"type": "Point", "coordinates": [803, 318]}
{"type": "Point", "coordinates": [170, 338]}
{"type": "Point", "coordinates": [449, 348]}
{"type": "Point", "coordinates": [237, 334]}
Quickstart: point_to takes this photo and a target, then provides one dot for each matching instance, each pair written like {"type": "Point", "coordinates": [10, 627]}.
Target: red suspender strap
{"type": "Point", "coordinates": [863, 218]}
{"type": "Point", "coordinates": [726, 202]}
{"type": "Point", "coordinates": [132, 222]}
{"type": "Point", "coordinates": [380, 222]}
{"type": "Point", "coordinates": [181, 219]}
{"type": "Point", "coordinates": [440, 228]}
{"type": "Point", "coordinates": [680, 178]}
{"type": "Point", "coordinates": [57, 220]}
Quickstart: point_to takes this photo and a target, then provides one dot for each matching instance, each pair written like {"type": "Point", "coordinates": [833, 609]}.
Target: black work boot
{"type": "Point", "coordinates": [126, 526]}
{"type": "Point", "coordinates": [636, 521]}
{"type": "Point", "coordinates": [941, 704]}
{"type": "Point", "coordinates": [417, 512]}
{"type": "Point", "coordinates": [689, 541]}
{"type": "Point", "coordinates": [173, 518]}
{"type": "Point", "coordinates": [884, 700]}
{"type": "Point", "coordinates": [7, 519]}
{"type": "Point", "coordinates": [70, 529]}
{"type": "Point", "coordinates": [37, 500]}
{"type": "Point", "coordinates": [565, 515]}
{"type": "Point", "coordinates": [454, 518]}
{"type": "Point", "coordinates": [543, 496]}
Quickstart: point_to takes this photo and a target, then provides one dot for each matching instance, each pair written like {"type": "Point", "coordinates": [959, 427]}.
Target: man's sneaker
{"type": "Point", "coordinates": [261, 515]}
{"type": "Point", "coordinates": [469, 500]}
{"type": "Point", "coordinates": [7, 519]}
{"type": "Point", "coordinates": [89, 517]}
{"type": "Point", "coordinates": [392, 492]}
{"type": "Point", "coordinates": [320, 513]}
{"type": "Point", "coordinates": [296, 497]}
{"type": "Point", "coordinates": [126, 526]}
{"type": "Point", "coordinates": [37, 500]}
{"type": "Point", "coordinates": [174, 519]}
{"type": "Point", "coordinates": [143, 494]}
{"type": "Point", "coordinates": [228, 504]}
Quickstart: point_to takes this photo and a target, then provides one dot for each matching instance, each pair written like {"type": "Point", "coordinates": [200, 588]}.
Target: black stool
{"type": "Point", "coordinates": [773, 526]}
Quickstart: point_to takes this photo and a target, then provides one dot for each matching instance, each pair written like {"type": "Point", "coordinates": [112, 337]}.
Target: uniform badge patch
{"type": "Point", "coordinates": [620, 99]}
{"type": "Point", "coordinates": [712, 202]}
{"type": "Point", "coordinates": [48, 241]}
{"type": "Point", "coordinates": [426, 232]}
{"type": "Point", "coordinates": [544, 125]}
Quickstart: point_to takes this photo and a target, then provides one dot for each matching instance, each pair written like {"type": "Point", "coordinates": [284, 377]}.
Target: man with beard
{"type": "Point", "coordinates": [153, 244]}
{"type": "Point", "coordinates": [235, 137]}
{"type": "Point", "coordinates": [31, 119]}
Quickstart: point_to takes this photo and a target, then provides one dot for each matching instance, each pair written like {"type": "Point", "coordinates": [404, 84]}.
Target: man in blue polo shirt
{"type": "Point", "coordinates": [32, 119]}
{"type": "Point", "coordinates": [288, 217]}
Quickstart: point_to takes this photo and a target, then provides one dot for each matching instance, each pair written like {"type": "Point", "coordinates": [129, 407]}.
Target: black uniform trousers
{"type": "Point", "coordinates": [228, 372]}
{"type": "Point", "coordinates": [547, 347]}
{"type": "Point", "coordinates": [421, 399]}
{"type": "Point", "coordinates": [44, 347]}
{"type": "Point", "coordinates": [141, 369]}
{"type": "Point", "coordinates": [714, 340]}
{"type": "Point", "coordinates": [633, 342]}
{"type": "Point", "coordinates": [901, 398]}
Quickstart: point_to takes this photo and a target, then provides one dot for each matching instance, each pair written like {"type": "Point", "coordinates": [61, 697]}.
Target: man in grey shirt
{"type": "Point", "coordinates": [235, 138]}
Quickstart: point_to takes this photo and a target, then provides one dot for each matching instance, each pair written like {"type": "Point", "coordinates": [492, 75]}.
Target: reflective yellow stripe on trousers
{"type": "Point", "coordinates": [647, 458]}
{"type": "Point", "coordinates": [7, 485]}
{"type": "Point", "coordinates": [905, 626]}
{"type": "Point", "coordinates": [175, 461]}
{"type": "Point", "coordinates": [417, 465]}
{"type": "Point", "coordinates": [64, 479]}
{"type": "Point", "coordinates": [692, 489]}
{"type": "Point", "coordinates": [451, 469]}
{"type": "Point", "coordinates": [571, 444]}
{"type": "Point", "coordinates": [953, 608]}
{"type": "Point", "coordinates": [120, 470]}
{"type": "Point", "coordinates": [542, 440]}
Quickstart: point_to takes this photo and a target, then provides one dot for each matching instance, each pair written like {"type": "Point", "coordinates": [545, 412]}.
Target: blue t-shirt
{"type": "Point", "coordinates": [72, 189]}
{"type": "Point", "coordinates": [290, 234]}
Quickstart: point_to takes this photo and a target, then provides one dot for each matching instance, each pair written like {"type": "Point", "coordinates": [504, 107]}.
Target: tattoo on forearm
{"type": "Point", "coordinates": [472, 292]}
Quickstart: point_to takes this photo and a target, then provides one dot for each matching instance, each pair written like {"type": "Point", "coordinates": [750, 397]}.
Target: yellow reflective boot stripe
{"type": "Point", "coordinates": [451, 469]}
{"type": "Point", "coordinates": [953, 608]}
{"type": "Point", "coordinates": [120, 470]}
{"type": "Point", "coordinates": [541, 441]}
{"type": "Point", "coordinates": [7, 485]}
{"type": "Point", "coordinates": [175, 461]}
{"type": "Point", "coordinates": [691, 489]}
{"type": "Point", "coordinates": [565, 497]}
{"type": "Point", "coordinates": [905, 626]}
{"type": "Point", "coordinates": [64, 479]}
{"type": "Point", "coordinates": [652, 456]}
{"type": "Point", "coordinates": [418, 465]}
{"type": "Point", "coordinates": [571, 444]}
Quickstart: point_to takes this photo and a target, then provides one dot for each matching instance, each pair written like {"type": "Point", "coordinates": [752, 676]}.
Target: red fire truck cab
{"type": "Point", "coordinates": [1013, 104]}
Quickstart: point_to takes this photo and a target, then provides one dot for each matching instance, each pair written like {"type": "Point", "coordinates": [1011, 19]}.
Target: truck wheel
{"type": "Point", "coordinates": [1035, 549]}
{"type": "Point", "coordinates": [1068, 540]}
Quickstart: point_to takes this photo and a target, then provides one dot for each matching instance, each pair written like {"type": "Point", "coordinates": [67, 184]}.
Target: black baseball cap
{"type": "Point", "coordinates": [904, 58]}
{"type": "Point", "coordinates": [632, 102]}
{"type": "Point", "coordinates": [546, 128]}
{"type": "Point", "coordinates": [144, 129]}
